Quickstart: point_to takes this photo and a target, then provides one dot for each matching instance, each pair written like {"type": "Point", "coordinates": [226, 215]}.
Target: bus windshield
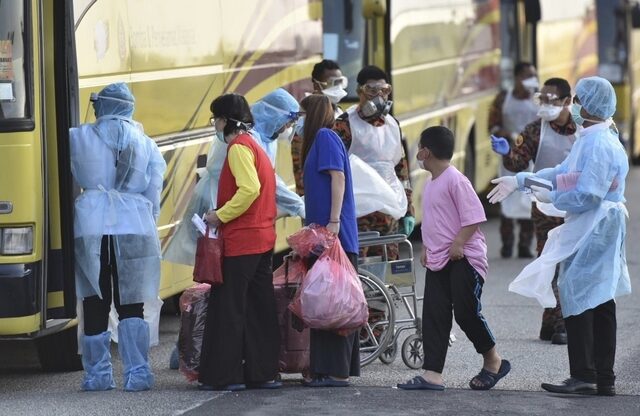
{"type": "Point", "coordinates": [13, 64]}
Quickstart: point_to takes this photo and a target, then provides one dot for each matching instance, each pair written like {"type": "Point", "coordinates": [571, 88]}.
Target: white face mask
{"type": "Point", "coordinates": [531, 83]}
{"type": "Point", "coordinates": [335, 94]}
{"type": "Point", "coordinates": [286, 135]}
{"type": "Point", "coordinates": [421, 164]}
{"type": "Point", "coordinates": [549, 112]}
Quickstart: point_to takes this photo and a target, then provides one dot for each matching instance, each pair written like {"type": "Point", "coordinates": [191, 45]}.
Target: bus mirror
{"type": "Point", "coordinates": [635, 16]}
{"type": "Point", "coordinates": [373, 8]}
{"type": "Point", "coordinates": [532, 11]}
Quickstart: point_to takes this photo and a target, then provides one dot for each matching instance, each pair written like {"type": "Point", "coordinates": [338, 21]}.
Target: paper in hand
{"type": "Point", "coordinates": [201, 226]}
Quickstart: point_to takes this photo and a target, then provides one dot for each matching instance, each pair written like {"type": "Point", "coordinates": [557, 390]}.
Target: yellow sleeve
{"type": "Point", "coordinates": [243, 168]}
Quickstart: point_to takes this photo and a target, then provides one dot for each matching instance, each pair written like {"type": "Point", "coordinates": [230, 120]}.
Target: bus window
{"type": "Point", "coordinates": [13, 66]}
{"type": "Point", "coordinates": [344, 38]}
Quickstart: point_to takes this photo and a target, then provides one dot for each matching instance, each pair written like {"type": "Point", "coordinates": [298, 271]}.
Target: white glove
{"type": "Point", "coordinates": [505, 186]}
{"type": "Point", "coordinates": [541, 194]}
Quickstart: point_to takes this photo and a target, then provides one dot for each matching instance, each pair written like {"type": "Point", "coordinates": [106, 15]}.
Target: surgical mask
{"type": "Point", "coordinates": [286, 135]}
{"type": "Point", "coordinates": [335, 93]}
{"type": "Point", "coordinates": [220, 136]}
{"type": "Point", "coordinates": [421, 164]}
{"type": "Point", "coordinates": [300, 126]}
{"type": "Point", "coordinates": [549, 112]}
{"type": "Point", "coordinates": [377, 106]}
{"type": "Point", "coordinates": [531, 83]}
{"type": "Point", "coordinates": [575, 114]}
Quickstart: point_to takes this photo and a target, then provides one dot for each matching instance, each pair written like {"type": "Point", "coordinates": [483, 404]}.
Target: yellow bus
{"type": "Point", "coordinates": [176, 58]}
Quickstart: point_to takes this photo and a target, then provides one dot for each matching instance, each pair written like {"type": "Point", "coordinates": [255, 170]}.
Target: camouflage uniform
{"type": "Point", "coordinates": [507, 236]}
{"type": "Point", "coordinates": [524, 151]}
{"type": "Point", "coordinates": [376, 221]}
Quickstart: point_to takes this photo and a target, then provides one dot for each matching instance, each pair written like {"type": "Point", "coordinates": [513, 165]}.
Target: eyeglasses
{"type": "Point", "coordinates": [341, 82]}
{"type": "Point", "coordinates": [545, 98]}
{"type": "Point", "coordinates": [295, 115]}
{"type": "Point", "coordinates": [212, 121]}
{"type": "Point", "coordinates": [376, 89]}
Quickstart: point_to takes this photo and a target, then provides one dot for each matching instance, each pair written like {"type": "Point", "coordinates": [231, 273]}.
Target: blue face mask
{"type": "Point", "coordinates": [220, 136]}
{"type": "Point", "coordinates": [575, 114]}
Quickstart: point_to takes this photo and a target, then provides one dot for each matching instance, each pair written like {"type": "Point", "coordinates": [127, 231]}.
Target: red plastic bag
{"type": "Point", "coordinates": [193, 315]}
{"type": "Point", "coordinates": [312, 239]}
{"type": "Point", "coordinates": [208, 266]}
{"type": "Point", "coordinates": [331, 295]}
{"type": "Point", "coordinates": [291, 272]}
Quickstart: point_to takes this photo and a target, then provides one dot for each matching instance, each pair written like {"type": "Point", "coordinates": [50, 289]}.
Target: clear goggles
{"type": "Point", "coordinates": [340, 82]}
{"type": "Point", "coordinates": [376, 89]}
{"type": "Point", "coordinates": [540, 98]}
{"type": "Point", "coordinates": [95, 97]}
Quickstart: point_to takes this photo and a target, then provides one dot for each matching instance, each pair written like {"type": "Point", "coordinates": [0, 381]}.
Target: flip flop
{"type": "Point", "coordinates": [488, 379]}
{"type": "Point", "coordinates": [419, 383]}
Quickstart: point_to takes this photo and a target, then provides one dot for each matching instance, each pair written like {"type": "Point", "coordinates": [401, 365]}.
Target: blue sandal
{"type": "Point", "coordinates": [419, 383]}
{"type": "Point", "coordinates": [486, 379]}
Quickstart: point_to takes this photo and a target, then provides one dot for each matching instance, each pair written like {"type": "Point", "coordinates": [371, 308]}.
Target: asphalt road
{"type": "Point", "coordinates": [515, 321]}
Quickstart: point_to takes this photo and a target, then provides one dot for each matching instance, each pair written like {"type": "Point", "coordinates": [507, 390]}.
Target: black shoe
{"type": "Point", "coordinates": [524, 253]}
{"type": "Point", "coordinates": [506, 252]}
{"type": "Point", "coordinates": [571, 386]}
{"type": "Point", "coordinates": [607, 390]}
{"type": "Point", "coordinates": [546, 333]}
{"type": "Point", "coordinates": [559, 338]}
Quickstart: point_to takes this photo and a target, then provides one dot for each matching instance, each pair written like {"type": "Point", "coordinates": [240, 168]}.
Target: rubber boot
{"type": "Point", "coordinates": [133, 346]}
{"type": "Point", "coordinates": [96, 360]}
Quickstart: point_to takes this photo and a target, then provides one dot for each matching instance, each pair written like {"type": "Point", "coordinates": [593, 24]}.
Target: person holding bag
{"type": "Point", "coordinates": [329, 201]}
{"type": "Point", "coordinates": [241, 341]}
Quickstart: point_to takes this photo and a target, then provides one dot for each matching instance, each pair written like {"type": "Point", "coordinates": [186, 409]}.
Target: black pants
{"type": "Point", "coordinates": [454, 290]}
{"type": "Point", "coordinates": [592, 344]}
{"type": "Point", "coordinates": [96, 310]}
{"type": "Point", "coordinates": [507, 233]}
{"type": "Point", "coordinates": [241, 340]}
{"type": "Point", "coordinates": [332, 354]}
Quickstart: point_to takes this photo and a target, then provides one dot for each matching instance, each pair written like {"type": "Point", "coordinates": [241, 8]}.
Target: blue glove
{"type": "Point", "coordinates": [500, 145]}
{"type": "Point", "coordinates": [408, 223]}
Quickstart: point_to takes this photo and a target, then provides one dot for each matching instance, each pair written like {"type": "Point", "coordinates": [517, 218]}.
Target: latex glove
{"type": "Point", "coordinates": [409, 223]}
{"type": "Point", "coordinates": [500, 145]}
{"type": "Point", "coordinates": [541, 194]}
{"type": "Point", "coordinates": [505, 186]}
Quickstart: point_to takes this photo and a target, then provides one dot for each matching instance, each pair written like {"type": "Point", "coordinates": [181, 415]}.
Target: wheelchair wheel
{"type": "Point", "coordinates": [412, 353]}
{"type": "Point", "coordinates": [389, 355]}
{"type": "Point", "coordinates": [376, 336]}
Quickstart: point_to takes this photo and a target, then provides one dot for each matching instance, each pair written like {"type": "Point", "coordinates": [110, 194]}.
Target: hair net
{"type": "Point", "coordinates": [114, 99]}
{"type": "Point", "coordinates": [272, 112]}
{"type": "Point", "coordinates": [597, 96]}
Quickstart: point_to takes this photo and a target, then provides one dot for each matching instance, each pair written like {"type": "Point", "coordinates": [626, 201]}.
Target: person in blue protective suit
{"type": "Point", "coordinates": [590, 246]}
{"type": "Point", "coordinates": [274, 116]}
{"type": "Point", "coordinates": [117, 250]}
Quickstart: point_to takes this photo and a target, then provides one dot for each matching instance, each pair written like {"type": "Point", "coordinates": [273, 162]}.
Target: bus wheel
{"type": "Point", "coordinates": [59, 351]}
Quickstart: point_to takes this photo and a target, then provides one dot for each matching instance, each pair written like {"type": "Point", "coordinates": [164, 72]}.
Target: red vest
{"type": "Point", "coordinates": [253, 232]}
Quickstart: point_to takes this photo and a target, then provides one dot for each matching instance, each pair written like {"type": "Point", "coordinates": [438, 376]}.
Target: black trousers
{"type": "Point", "coordinates": [241, 340]}
{"type": "Point", "coordinates": [96, 310]}
{"type": "Point", "coordinates": [507, 226]}
{"type": "Point", "coordinates": [592, 344]}
{"type": "Point", "coordinates": [332, 354]}
{"type": "Point", "coordinates": [452, 291]}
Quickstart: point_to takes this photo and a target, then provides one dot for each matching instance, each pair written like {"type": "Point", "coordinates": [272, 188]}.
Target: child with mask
{"type": "Point", "coordinates": [455, 256]}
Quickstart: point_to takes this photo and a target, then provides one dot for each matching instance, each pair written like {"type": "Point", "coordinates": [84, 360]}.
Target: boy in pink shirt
{"type": "Point", "coordinates": [455, 256]}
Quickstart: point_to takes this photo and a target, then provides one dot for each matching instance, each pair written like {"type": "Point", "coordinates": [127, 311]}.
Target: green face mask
{"type": "Point", "coordinates": [575, 114]}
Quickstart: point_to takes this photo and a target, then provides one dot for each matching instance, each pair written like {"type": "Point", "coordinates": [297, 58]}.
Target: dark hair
{"type": "Point", "coordinates": [234, 108]}
{"type": "Point", "coordinates": [371, 72]}
{"type": "Point", "coordinates": [561, 84]}
{"type": "Point", "coordinates": [439, 140]}
{"type": "Point", "coordinates": [319, 114]}
{"type": "Point", "coordinates": [320, 67]}
{"type": "Point", "coordinates": [520, 67]}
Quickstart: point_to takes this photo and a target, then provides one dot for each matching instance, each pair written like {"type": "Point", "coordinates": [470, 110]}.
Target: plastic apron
{"type": "Point", "coordinates": [590, 248]}
{"type": "Point", "coordinates": [516, 114]}
{"type": "Point", "coordinates": [553, 148]}
{"type": "Point", "coordinates": [381, 149]}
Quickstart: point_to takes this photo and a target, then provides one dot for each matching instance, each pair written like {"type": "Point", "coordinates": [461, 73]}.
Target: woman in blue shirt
{"type": "Point", "coordinates": [329, 202]}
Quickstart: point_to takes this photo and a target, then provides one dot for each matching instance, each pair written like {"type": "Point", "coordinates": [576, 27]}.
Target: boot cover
{"type": "Point", "coordinates": [133, 346]}
{"type": "Point", "coordinates": [96, 361]}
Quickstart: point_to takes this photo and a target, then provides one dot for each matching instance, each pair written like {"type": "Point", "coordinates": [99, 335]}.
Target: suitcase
{"type": "Point", "coordinates": [294, 338]}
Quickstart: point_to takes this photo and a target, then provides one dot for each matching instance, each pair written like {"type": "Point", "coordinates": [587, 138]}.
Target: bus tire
{"type": "Point", "coordinates": [59, 351]}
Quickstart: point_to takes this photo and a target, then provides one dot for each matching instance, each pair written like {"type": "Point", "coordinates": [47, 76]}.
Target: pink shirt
{"type": "Point", "coordinates": [449, 203]}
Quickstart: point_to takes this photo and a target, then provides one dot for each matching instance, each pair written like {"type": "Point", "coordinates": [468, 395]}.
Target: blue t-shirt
{"type": "Point", "coordinates": [328, 153]}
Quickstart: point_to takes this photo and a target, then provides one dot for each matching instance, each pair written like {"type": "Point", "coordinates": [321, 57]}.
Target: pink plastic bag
{"type": "Point", "coordinates": [331, 295]}
{"type": "Point", "coordinates": [291, 272]}
{"type": "Point", "coordinates": [311, 240]}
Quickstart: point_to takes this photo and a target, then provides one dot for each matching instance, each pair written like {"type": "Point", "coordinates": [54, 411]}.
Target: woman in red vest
{"type": "Point", "coordinates": [241, 341]}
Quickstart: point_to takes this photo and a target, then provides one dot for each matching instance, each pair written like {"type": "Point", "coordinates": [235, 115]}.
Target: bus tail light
{"type": "Point", "coordinates": [16, 241]}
